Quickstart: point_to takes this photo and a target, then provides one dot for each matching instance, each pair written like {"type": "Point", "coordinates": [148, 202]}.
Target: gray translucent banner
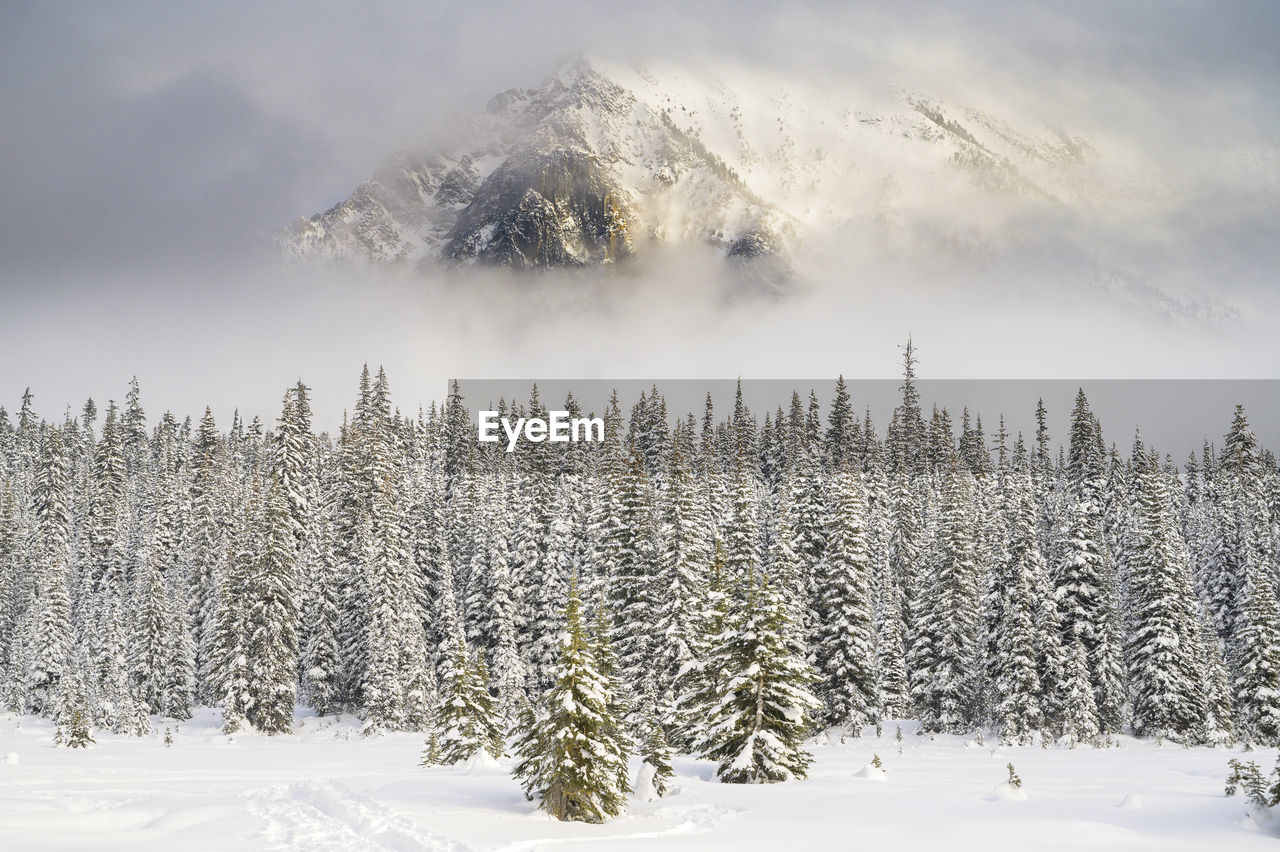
{"type": "Point", "coordinates": [1175, 415]}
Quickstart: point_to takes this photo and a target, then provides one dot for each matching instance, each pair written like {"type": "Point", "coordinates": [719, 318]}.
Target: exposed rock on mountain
{"type": "Point", "coordinates": [556, 207]}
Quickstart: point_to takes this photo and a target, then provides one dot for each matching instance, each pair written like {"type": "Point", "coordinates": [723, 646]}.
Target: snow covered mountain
{"type": "Point", "coordinates": [604, 161]}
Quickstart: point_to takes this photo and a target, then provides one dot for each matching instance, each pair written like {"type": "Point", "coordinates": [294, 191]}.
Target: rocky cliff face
{"type": "Point", "coordinates": [554, 207]}
{"type": "Point", "coordinates": [602, 162]}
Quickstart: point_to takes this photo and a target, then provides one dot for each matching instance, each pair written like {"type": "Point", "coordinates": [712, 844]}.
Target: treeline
{"type": "Point", "coordinates": [808, 563]}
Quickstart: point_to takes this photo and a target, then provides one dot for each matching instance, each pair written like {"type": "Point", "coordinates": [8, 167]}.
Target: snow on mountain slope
{"type": "Point", "coordinates": [605, 160]}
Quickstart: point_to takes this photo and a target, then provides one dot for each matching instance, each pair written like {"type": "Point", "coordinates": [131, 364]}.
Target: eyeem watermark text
{"type": "Point", "coordinates": [558, 428]}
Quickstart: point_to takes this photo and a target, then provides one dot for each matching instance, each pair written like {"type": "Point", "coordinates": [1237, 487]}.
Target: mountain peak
{"type": "Point", "coordinates": [602, 162]}
{"type": "Point", "coordinates": [575, 68]}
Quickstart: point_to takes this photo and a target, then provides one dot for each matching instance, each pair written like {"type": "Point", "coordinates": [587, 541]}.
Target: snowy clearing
{"type": "Point", "coordinates": [328, 788]}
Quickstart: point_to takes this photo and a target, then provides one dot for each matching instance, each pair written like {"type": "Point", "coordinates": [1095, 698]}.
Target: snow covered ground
{"type": "Point", "coordinates": [327, 788]}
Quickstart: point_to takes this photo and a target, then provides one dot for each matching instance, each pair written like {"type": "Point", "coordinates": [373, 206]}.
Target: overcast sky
{"type": "Point", "coordinates": [146, 149]}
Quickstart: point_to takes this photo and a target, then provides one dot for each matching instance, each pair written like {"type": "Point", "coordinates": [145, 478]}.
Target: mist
{"type": "Point", "coordinates": [238, 339]}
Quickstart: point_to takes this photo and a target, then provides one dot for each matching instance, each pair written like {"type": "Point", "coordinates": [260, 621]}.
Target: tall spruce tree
{"type": "Point", "coordinates": [698, 686]}
{"type": "Point", "coordinates": [1167, 701]}
{"type": "Point", "coordinates": [1257, 686]}
{"type": "Point", "coordinates": [1080, 713]}
{"type": "Point", "coordinates": [229, 657]}
{"type": "Point", "coordinates": [844, 647]}
{"type": "Point", "coordinates": [205, 546]}
{"type": "Point", "coordinates": [465, 720]}
{"type": "Point", "coordinates": [765, 710]}
{"type": "Point", "coordinates": [631, 570]}
{"type": "Point", "coordinates": [46, 639]}
{"type": "Point", "coordinates": [572, 759]}
{"type": "Point", "coordinates": [272, 640]}
{"type": "Point", "coordinates": [891, 658]}
{"type": "Point", "coordinates": [681, 573]}
{"type": "Point", "coordinates": [321, 652]}
{"type": "Point", "coordinates": [560, 562]}
{"type": "Point", "coordinates": [842, 429]}
{"type": "Point", "coordinates": [944, 653]}
{"type": "Point", "coordinates": [1015, 674]}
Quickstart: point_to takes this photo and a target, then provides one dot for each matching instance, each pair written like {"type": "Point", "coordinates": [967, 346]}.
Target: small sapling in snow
{"type": "Point", "coordinates": [1014, 781]}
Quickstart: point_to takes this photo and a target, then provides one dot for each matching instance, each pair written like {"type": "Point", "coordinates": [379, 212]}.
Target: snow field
{"type": "Point", "coordinates": [326, 787]}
